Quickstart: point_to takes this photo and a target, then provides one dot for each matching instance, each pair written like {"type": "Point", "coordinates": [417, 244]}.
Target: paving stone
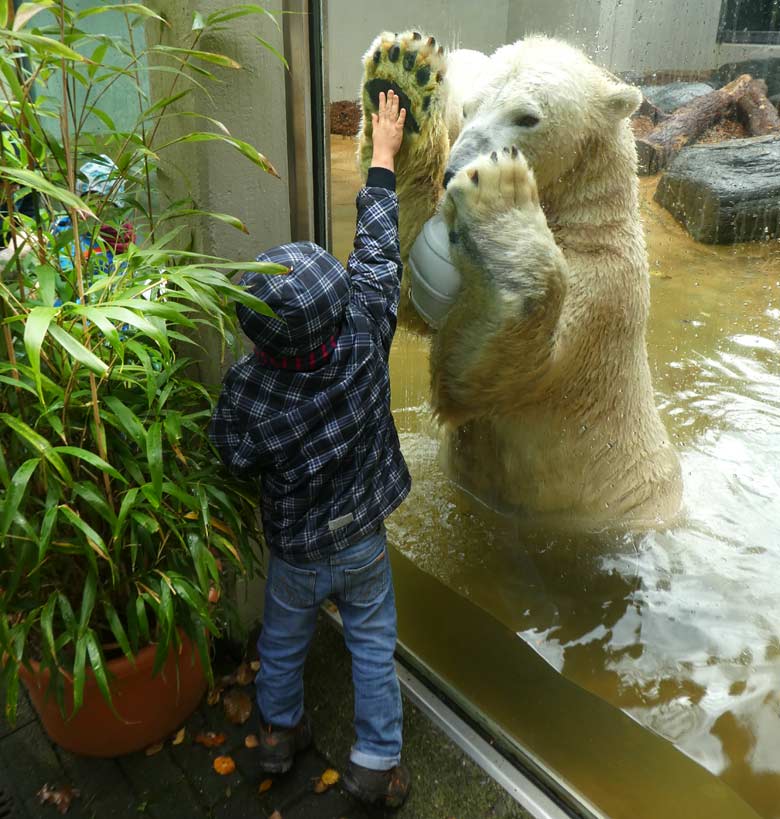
{"type": "Point", "coordinates": [162, 791]}
{"type": "Point", "coordinates": [25, 714]}
{"type": "Point", "coordinates": [105, 792]}
{"type": "Point", "coordinates": [27, 762]}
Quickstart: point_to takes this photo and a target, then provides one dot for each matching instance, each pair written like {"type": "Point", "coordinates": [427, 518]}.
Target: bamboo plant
{"type": "Point", "coordinates": [117, 525]}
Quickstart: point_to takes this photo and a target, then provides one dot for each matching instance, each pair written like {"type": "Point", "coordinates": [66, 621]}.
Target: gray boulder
{"type": "Point", "coordinates": [668, 98]}
{"type": "Point", "coordinates": [725, 193]}
{"type": "Point", "coordinates": [767, 69]}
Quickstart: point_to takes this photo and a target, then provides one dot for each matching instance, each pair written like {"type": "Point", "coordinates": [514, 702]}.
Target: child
{"type": "Point", "coordinates": [308, 412]}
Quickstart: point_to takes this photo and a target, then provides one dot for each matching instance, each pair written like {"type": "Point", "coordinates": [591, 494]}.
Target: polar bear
{"type": "Point", "coordinates": [539, 372]}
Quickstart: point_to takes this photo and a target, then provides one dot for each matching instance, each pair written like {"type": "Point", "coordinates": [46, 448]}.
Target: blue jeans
{"type": "Point", "coordinates": [359, 581]}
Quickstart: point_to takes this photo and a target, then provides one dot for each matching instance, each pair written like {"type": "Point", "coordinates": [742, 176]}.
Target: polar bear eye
{"type": "Point", "coordinates": [527, 121]}
{"type": "Point", "coordinates": [464, 112]}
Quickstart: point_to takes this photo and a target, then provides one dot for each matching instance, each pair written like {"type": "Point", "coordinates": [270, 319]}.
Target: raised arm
{"type": "Point", "coordinates": [375, 263]}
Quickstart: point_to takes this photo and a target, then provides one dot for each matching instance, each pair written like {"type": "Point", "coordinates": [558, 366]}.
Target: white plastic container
{"type": "Point", "coordinates": [435, 280]}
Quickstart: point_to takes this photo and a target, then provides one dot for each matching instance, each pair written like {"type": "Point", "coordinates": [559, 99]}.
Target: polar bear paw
{"type": "Point", "coordinates": [493, 184]}
{"type": "Point", "coordinates": [413, 66]}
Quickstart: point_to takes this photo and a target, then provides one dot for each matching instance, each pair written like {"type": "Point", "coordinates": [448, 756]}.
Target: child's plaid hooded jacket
{"type": "Point", "coordinates": [308, 412]}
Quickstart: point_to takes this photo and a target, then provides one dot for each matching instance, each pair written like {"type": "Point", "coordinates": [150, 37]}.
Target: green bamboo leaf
{"type": "Point", "coordinates": [97, 58]}
{"type": "Point", "coordinates": [132, 625]}
{"type": "Point", "coordinates": [94, 540]}
{"type": "Point", "coordinates": [37, 442]}
{"type": "Point", "coordinates": [13, 497]}
{"type": "Point", "coordinates": [265, 44]}
{"type": "Point", "coordinates": [88, 492]}
{"type": "Point", "coordinates": [127, 419]}
{"type": "Point", "coordinates": [4, 12]}
{"type": "Point", "coordinates": [68, 617]}
{"type": "Point", "coordinates": [134, 320]}
{"type": "Point", "coordinates": [143, 620]}
{"type": "Point", "coordinates": [35, 329]}
{"type": "Point", "coordinates": [154, 457]}
{"type": "Point", "coordinates": [199, 636]}
{"type": "Point", "coordinates": [16, 383]}
{"type": "Point", "coordinates": [78, 350]}
{"type": "Point", "coordinates": [233, 221]}
{"type": "Point", "coordinates": [147, 521]}
{"type": "Point", "coordinates": [47, 285]}
{"type": "Point", "coordinates": [240, 10]}
{"type": "Point", "coordinates": [79, 672]}
{"type": "Point", "coordinates": [206, 56]}
{"type": "Point", "coordinates": [47, 526]}
{"type": "Point", "coordinates": [242, 147]}
{"type": "Point", "coordinates": [43, 45]}
{"type": "Point", "coordinates": [96, 315]}
{"type": "Point", "coordinates": [90, 458]}
{"type": "Point", "coordinates": [88, 597]}
{"type": "Point", "coordinates": [98, 663]}
{"type": "Point", "coordinates": [123, 8]}
{"type": "Point", "coordinates": [166, 620]}
{"type": "Point", "coordinates": [118, 631]}
{"type": "Point", "coordinates": [104, 117]}
{"type": "Point", "coordinates": [38, 182]}
{"type": "Point", "coordinates": [198, 23]}
{"type": "Point", "coordinates": [128, 501]}
{"type": "Point", "coordinates": [47, 624]}
{"type": "Point", "coordinates": [27, 11]}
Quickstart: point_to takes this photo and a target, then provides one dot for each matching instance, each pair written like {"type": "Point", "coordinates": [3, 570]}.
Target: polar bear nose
{"type": "Point", "coordinates": [447, 177]}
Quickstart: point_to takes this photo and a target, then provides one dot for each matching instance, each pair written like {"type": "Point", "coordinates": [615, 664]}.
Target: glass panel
{"type": "Point", "coordinates": [551, 571]}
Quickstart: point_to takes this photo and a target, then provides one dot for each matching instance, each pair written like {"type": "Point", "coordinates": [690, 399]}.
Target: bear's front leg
{"type": "Point", "coordinates": [414, 67]}
{"type": "Point", "coordinates": [497, 344]}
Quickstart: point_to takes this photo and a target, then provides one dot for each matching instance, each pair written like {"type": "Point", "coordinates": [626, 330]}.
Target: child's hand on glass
{"type": "Point", "coordinates": [388, 130]}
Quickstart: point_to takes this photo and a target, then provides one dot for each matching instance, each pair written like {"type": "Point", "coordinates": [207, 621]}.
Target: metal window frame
{"type": "Point", "coordinates": [308, 120]}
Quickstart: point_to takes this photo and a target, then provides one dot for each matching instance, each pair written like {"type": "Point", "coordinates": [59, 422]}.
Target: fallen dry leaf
{"type": "Point", "coordinates": [251, 741]}
{"type": "Point", "coordinates": [224, 765]}
{"type": "Point", "coordinates": [179, 737]}
{"type": "Point", "coordinates": [330, 777]}
{"type": "Point", "coordinates": [255, 665]}
{"type": "Point", "coordinates": [59, 797]}
{"type": "Point", "coordinates": [213, 594]}
{"type": "Point", "coordinates": [154, 749]}
{"type": "Point", "coordinates": [275, 815]}
{"type": "Point", "coordinates": [210, 739]}
{"type": "Point", "coordinates": [244, 675]}
{"type": "Point", "coordinates": [237, 706]}
{"type": "Point", "coordinates": [265, 785]}
{"type": "Point", "coordinates": [214, 696]}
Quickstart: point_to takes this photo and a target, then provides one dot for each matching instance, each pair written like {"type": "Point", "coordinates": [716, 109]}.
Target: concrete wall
{"type": "Point", "coordinates": [455, 23]}
{"type": "Point", "coordinates": [120, 101]}
{"type": "Point", "coordinates": [571, 20]}
{"type": "Point", "coordinates": [639, 36]}
{"type": "Point", "coordinates": [251, 103]}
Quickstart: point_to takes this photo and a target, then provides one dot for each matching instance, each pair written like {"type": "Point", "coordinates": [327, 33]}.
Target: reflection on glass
{"type": "Point", "coordinates": [679, 626]}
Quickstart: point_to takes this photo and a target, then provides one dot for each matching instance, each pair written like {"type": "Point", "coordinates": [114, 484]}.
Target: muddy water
{"type": "Point", "coordinates": [679, 628]}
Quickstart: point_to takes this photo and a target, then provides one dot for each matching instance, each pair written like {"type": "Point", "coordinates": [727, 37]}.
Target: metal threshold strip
{"type": "Point", "coordinates": [524, 791]}
{"type": "Point", "coordinates": [508, 776]}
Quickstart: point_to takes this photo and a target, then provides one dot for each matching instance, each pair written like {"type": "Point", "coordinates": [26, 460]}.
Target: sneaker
{"type": "Point", "coordinates": [388, 788]}
{"type": "Point", "coordinates": [278, 746]}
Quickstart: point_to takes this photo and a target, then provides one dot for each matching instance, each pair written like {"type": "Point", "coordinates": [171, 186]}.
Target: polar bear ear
{"type": "Point", "coordinates": [621, 100]}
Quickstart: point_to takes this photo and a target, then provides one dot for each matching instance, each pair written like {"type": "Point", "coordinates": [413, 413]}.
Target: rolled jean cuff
{"type": "Point", "coordinates": [375, 763]}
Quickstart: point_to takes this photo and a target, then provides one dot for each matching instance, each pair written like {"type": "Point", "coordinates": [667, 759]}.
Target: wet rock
{"type": "Point", "coordinates": [727, 192]}
{"type": "Point", "coordinates": [767, 69]}
{"type": "Point", "coordinates": [669, 98]}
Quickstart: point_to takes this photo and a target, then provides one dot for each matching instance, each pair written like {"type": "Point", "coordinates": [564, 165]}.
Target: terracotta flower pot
{"type": "Point", "coordinates": [152, 707]}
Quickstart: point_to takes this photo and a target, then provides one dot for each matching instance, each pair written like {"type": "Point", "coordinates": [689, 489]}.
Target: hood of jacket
{"type": "Point", "coordinates": [309, 300]}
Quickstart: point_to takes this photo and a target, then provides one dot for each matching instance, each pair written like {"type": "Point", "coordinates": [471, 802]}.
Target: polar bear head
{"type": "Point", "coordinates": [547, 98]}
